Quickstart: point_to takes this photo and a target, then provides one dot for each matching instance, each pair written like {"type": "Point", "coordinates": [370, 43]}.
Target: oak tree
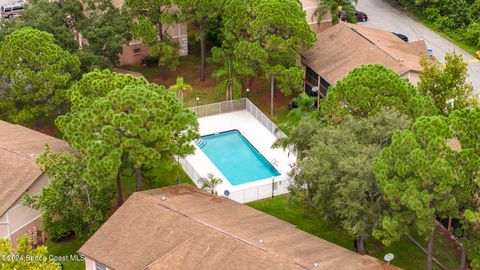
{"type": "Point", "coordinates": [446, 83]}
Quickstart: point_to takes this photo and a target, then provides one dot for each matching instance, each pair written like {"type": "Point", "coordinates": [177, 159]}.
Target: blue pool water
{"type": "Point", "coordinates": [236, 157]}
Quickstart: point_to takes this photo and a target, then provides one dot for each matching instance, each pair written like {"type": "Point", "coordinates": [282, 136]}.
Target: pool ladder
{"type": "Point", "coordinates": [274, 162]}
{"type": "Point", "coordinates": [201, 142]}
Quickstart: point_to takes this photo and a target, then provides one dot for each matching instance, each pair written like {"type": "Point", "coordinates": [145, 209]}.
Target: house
{"type": "Point", "coordinates": [134, 52]}
{"type": "Point", "coordinates": [19, 146]}
{"type": "Point", "coordinates": [343, 47]}
{"type": "Point", "coordinates": [182, 227]}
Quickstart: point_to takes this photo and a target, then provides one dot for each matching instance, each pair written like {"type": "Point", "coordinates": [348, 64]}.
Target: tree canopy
{"type": "Point", "coordinates": [338, 9]}
{"type": "Point", "coordinates": [154, 17]}
{"type": "Point", "coordinates": [417, 180]}
{"type": "Point", "coordinates": [71, 203]}
{"type": "Point", "coordinates": [105, 27]}
{"type": "Point", "coordinates": [202, 13]}
{"type": "Point", "coordinates": [446, 84]}
{"type": "Point", "coordinates": [33, 72]}
{"type": "Point", "coordinates": [264, 37]}
{"type": "Point", "coordinates": [370, 87]}
{"type": "Point", "coordinates": [335, 171]}
{"type": "Point", "coordinates": [114, 132]}
{"type": "Point", "coordinates": [466, 161]}
{"type": "Point", "coordinates": [57, 18]}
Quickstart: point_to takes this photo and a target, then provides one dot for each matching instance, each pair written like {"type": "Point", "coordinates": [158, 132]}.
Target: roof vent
{"type": "Point", "coordinates": [316, 264]}
{"type": "Point", "coordinates": [164, 198]}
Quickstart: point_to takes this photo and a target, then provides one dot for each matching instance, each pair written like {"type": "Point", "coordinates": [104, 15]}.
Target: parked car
{"type": "Point", "coordinates": [11, 10]}
{"type": "Point", "coordinates": [361, 16]}
{"type": "Point", "coordinates": [477, 54]}
{"type": "Point", "coordinates": [401, 36]}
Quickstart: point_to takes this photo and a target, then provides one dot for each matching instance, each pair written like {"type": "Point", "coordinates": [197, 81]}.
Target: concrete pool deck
{"type": "Point", "coordinates": [261, 138]}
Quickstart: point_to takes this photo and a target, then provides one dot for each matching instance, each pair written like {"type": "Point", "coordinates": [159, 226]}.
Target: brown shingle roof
{"type": "Point", "coordinates": [345, 46]}
{"type": "Point", "coordinates": [192, 229]}
{"type": "Point", "coordinates": [19, 147]}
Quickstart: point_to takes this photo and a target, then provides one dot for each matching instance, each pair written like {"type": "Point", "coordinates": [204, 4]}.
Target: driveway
{"type": "Point", "coordinates": [382, 15]}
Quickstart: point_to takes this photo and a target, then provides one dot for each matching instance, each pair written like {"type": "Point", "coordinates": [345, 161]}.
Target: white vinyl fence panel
{"type": "Point", "coordinates": [251, 192]}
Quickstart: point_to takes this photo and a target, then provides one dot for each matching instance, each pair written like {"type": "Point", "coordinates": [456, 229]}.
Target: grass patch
{"type": "Point", "coordinates": [407, 255]}
{"type": "Point", "coordinates": [161, 176]}
{"type": "Point", "coordinates": [67, 248]}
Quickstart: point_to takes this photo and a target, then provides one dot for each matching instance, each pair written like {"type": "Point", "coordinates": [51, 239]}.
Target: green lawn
{"type": "Point", "coordinates": [407, 255]}
{"type": "Point", "coordinates": [67, 248]}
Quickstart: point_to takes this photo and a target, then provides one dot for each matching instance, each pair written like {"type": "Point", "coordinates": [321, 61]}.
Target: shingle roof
{"type": "Point", "coordinates": [345, 46]}
{"type": "Point", "coordinates": [19, 146]}
{"type": "Point", "coordinates": [192, 229]}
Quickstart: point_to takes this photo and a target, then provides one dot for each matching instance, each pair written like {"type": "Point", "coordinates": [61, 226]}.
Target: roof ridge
{"type": "Point", "coordinates": [181, 245]}
{"type": "Point", "coordinates": [380, 48]}
{"type": "Point", "coordinates": [208, 225]}
{"type": "Point", "coordinates": [228, 234]}
{"type": "Point", "coordinates": [17, 153]}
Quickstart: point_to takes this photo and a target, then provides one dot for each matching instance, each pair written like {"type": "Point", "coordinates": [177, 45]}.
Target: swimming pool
{"type": "Point", "coordinates": [237, 159]}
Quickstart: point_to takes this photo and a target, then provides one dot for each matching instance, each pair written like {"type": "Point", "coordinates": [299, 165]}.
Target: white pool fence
{"type": "Point", "coordinates": [278, 186]}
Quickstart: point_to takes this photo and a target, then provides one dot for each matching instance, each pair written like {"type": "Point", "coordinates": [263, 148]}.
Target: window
{"type": "Point", "coordinates": [137, 51]}
{"type": "Point", "coordinates": [99, 266]}
{"type": "Point", "coordinates": [275, 186]}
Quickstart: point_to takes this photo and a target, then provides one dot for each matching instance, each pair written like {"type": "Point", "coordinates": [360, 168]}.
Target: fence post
{"type": "Point", "coordinates": [273, 184]}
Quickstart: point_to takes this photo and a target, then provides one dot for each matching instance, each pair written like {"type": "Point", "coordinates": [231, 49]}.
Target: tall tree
{"type": "Point", "coordinates": [227, 73]}
{"type": "Point", "coordinates": [335, 171]}
{"type": "Point", "coordinates": [418, 181]}
{"type": "Point", "coordinates": [154, 17]}
{"type": "Point", "coordinates": [466, 161]}
{"type": "Point", "coordinates": [368, 88]}
{"type": "Point", "coordinates": [33, 71]}
{"type": "Point", "coordinates": [105, 163]}
{"type": "Point", "coordinates": [71, 203]}
{"type": "Point", "coordinates": [202, 12]}
{"type": "Point", "coordinates": [446, 84]}
{"type": "Point", "coordinates": [23, 250]}
{"type": "Point", "coordinates": [133, 126]}
{"type": "Point", "coordinates": [279, 28]}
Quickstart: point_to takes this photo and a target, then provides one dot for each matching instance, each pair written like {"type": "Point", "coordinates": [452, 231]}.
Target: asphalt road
{"type": "Point", "coordinates": [382, 15]}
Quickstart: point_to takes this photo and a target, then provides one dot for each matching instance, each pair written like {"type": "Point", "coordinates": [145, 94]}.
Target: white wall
{"type": "Point", "coordinates": [18, 216]}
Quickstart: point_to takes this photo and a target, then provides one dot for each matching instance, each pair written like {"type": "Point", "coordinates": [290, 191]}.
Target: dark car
{"type": "Point", "coordinates": [401, 36]}
{"type": "Point", "coordinates": [361, 16]}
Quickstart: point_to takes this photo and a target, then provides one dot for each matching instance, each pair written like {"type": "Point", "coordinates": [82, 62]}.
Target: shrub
{"type": "Point", "coordinates": [150, 60]}
{"type": "Point", "coordinates": [472, 35]}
